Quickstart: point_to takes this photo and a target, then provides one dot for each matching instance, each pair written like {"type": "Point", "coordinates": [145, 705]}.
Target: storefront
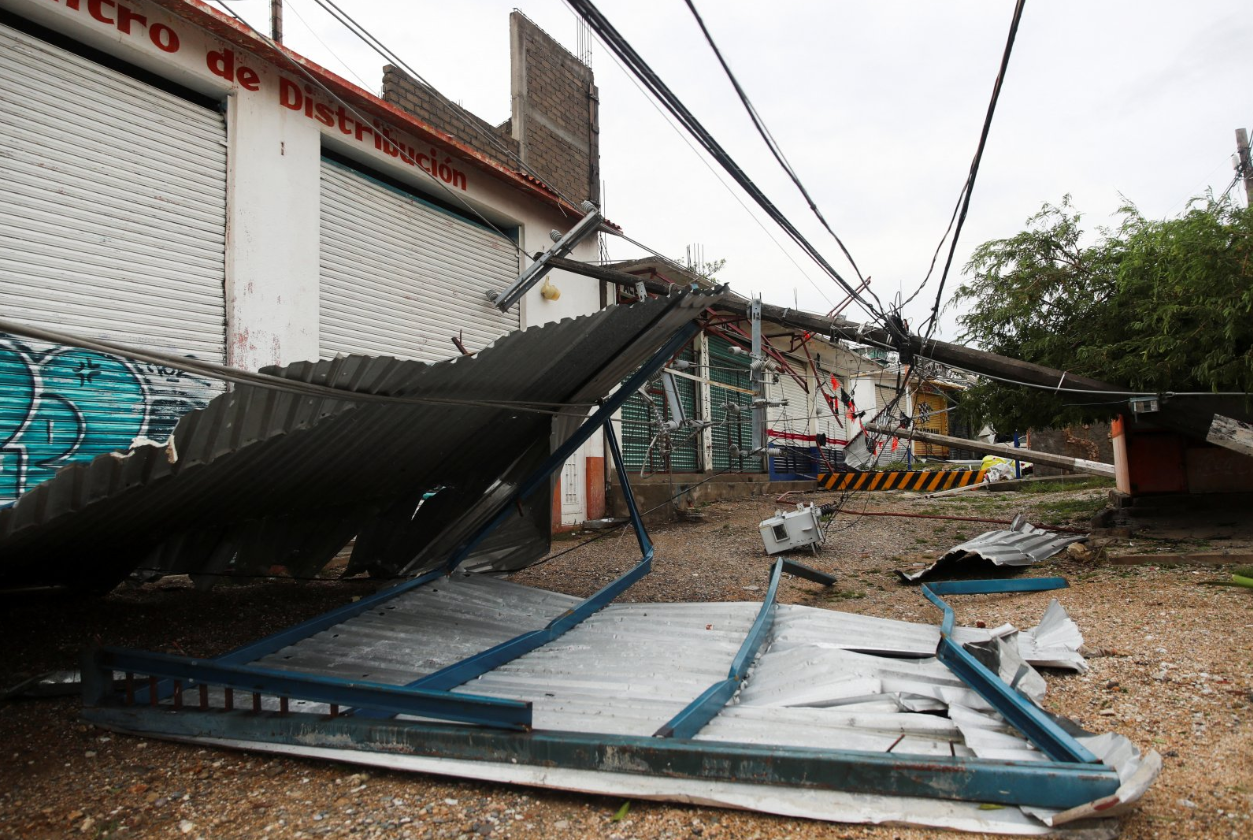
{"type": "Point", "coordinates": [174, 182]}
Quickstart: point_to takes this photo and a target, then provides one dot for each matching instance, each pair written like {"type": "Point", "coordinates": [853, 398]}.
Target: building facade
{"type": "Point", "coordinates": [175, 182]}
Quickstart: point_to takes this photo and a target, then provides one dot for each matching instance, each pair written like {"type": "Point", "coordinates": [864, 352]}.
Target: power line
{"type": "Point", "coordinates": [618, 45]}
{"type": "Point", "coordinates": [968, 189]}
{"type": "Point", "coordinates": [214, 370]}
{"type": "Point", "coordinates": [682, 136]}
{"type": "Point", "coordinates": [771, 144]}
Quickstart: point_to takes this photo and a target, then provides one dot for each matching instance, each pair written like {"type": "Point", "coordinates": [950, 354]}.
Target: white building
{"type": "Point", "coordinates": [173, 181]}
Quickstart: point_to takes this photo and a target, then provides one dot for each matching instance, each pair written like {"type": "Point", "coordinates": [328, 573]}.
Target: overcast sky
{"type": "Point", "coordinates": [877, 106]}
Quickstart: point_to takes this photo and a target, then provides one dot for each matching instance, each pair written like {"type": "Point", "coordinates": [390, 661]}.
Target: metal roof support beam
{"type": "Point", "coordinates": [1028, 718]}
{"type": "Point", "coordinates": [535, 272]}
{"type": "Point", "coordinates": [707, 706]}
{"type": "Point", "coordinates": [1043, 784]}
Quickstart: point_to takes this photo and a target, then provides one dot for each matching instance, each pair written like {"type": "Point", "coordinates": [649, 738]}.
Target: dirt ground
{"type": "Point", "coordinates": [1171, 656]}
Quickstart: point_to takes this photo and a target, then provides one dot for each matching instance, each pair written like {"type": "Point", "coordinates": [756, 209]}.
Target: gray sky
{"type": "Point", "coordinates": [877, 106]}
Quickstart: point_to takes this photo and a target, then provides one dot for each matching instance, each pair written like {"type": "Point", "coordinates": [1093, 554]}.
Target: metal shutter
{"type": "Point", "coordinates": [793, 417]}
{"type": "Point", "coordinates": [400, 277]}
{"type": "Point", "coordinates": [112, 225]}
{"type": "Point", "coordinates": [640, 427]}
{"type": "Point", "coordinates": [730, 428]}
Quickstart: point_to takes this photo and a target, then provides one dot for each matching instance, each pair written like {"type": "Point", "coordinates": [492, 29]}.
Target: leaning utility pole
{"type": "Point", "coordinates": [1243, 168]}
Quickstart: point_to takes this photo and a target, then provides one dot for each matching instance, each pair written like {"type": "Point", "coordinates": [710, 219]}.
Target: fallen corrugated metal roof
{"type": "Point", "coordinates": [264, 477]}
{"type": "Point", "coordinates": [1022, 544]}
{"type": "Point", "coordinates": [626, 671]}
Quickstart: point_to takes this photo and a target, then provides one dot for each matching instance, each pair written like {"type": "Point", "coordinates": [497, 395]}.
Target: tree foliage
{"type": "Point", "coordinates": [1158, 306]}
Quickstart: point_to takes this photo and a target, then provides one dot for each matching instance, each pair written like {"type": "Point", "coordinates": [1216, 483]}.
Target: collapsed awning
{"type": "Point", "coordinates": [266, 477]}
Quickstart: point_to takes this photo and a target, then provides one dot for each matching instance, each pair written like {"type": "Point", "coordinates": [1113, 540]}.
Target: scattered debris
{"type": "Point", "coordinates": [1022, 544]}
{"type": "Point", "coordinates": [598, 698]}
{"type": "Point", "coordinates": [1208, 558]}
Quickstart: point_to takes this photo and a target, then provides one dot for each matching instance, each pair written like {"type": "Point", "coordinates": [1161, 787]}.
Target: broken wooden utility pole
{"type": "Point", "coordinates": [1190, 414]}
{"type": "Point", "coordinates": [1231, 434]}
{"type": "Point", "coordinates": [1062, 462]}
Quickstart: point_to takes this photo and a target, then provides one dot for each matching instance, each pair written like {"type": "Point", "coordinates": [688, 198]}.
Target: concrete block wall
{"type": "Point", "coordinates": [555, 111]}
{"type": "Point", "coordinates": [554, 128]}
{"type": "Point", "coordinates": [495, 142]}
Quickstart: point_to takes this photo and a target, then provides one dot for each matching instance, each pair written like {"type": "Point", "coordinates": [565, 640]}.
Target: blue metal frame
{"type": "Point", "coordinates": [712, 700]}
{"type": "Point", "coordinates": [1028, 718]}
{"type": "Point", "coordinates": [599, 418]}
{"type": "Point", "coordinates": [440, 682]}
{"type": "Point", "coordinates": [1042, 784]}
{"type": "Point", "coordinates": [440, 705]}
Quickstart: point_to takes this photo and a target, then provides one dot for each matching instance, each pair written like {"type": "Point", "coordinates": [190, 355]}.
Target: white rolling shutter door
{"type": "Point", "coordinates": [112, 203]}
{"type": "Point", "coordinates": [793, 417]}
{"type": "Point", "coordinates": [400, 277]}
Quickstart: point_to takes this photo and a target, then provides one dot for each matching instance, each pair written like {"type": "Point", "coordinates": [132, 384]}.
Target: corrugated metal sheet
{"type": "Point", "coordinates": [630, 667]}
{"type": "Point", "coordinates": [264, 477]}
{"type": "Point", "coordinates": [1022, 544]}
{"type": "Point", "coordinates": [400, 276]}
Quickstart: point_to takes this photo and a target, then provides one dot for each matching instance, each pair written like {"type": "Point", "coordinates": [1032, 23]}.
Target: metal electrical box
{"type": "Point", "coordinates": [791, 529]}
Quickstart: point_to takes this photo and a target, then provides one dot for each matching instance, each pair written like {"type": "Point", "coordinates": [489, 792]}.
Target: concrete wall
{"type": "Point", "coordinates": [555, 111]}
{"type": "Point", "coordinates": [1091, 442]}
{"type": "Point", "coordinates": [554, 128]}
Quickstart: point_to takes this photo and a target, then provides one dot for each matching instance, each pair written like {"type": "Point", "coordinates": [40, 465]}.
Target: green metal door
{"type": "Point", "coordinates": [730, 384]}
{"type": "Point", "coordinates": [642, 447]}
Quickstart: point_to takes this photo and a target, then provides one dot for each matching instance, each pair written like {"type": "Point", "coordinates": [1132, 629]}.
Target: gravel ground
{"type": "Point", "coordinates": [1171, 668]}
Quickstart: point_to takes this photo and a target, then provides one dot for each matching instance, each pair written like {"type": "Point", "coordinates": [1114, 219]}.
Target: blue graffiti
{"type": "Point", "coordinates": [63, 404]}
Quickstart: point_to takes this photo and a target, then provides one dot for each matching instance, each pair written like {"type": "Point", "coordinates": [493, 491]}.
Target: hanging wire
{"type": "Point", "coordinates": [214, 370]}
{"type": "Point", "coordinates": [968, 189]}
{"type": "Point", "coordinates": [771, 144]}
{"type": "Point", "coordinates": [618, 45]}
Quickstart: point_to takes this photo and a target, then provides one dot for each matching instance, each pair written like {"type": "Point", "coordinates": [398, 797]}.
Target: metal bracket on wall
{"type": "Point", "coordinates": [535, 272]}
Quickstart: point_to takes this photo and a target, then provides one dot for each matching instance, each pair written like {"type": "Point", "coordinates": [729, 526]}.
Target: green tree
{"type": "Point", "coordinates": [1154, 305]}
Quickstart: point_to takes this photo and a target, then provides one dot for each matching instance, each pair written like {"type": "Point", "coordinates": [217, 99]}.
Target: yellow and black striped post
{"type": "Point", "coordinates": [926, 481]}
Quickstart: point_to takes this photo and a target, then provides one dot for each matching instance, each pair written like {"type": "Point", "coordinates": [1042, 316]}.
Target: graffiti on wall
{"type": "Point", "coordinates": [59, 405]}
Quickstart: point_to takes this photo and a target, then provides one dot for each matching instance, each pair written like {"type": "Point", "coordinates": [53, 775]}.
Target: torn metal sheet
{"type": "Point", "coordinates": [267, 478]}
{"type": "Point", "coordinates": [835, 733]}
{"type": "Point", "coordinates": [1054, 642]}
{"type": "Point", "coordinates": [1022, 544]}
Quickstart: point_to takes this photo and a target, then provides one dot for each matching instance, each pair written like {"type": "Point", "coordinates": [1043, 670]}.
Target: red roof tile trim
{"type": "Point", "coordinates": [231, 30]}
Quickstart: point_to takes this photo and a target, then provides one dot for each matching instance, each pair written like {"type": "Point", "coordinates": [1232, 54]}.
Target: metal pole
{"type": "Point", "coordinates": [758, 370]}
{"type": "Point", "coordinates": [1017, 463]}
{"type": "Point", "coordinates": [276, 21]}
{"type": "Point", "coordinates": [1064, 462]}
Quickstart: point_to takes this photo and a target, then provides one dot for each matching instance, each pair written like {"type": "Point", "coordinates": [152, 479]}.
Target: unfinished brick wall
{"type": "Point", "coordinates": [554, 127]}
{"type": "Point", "coordinates": [1090, 442]}
{"type": "Point", "coordinates": [555, 111]}
{"type": "Point", "coordinates": [410, 95]}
